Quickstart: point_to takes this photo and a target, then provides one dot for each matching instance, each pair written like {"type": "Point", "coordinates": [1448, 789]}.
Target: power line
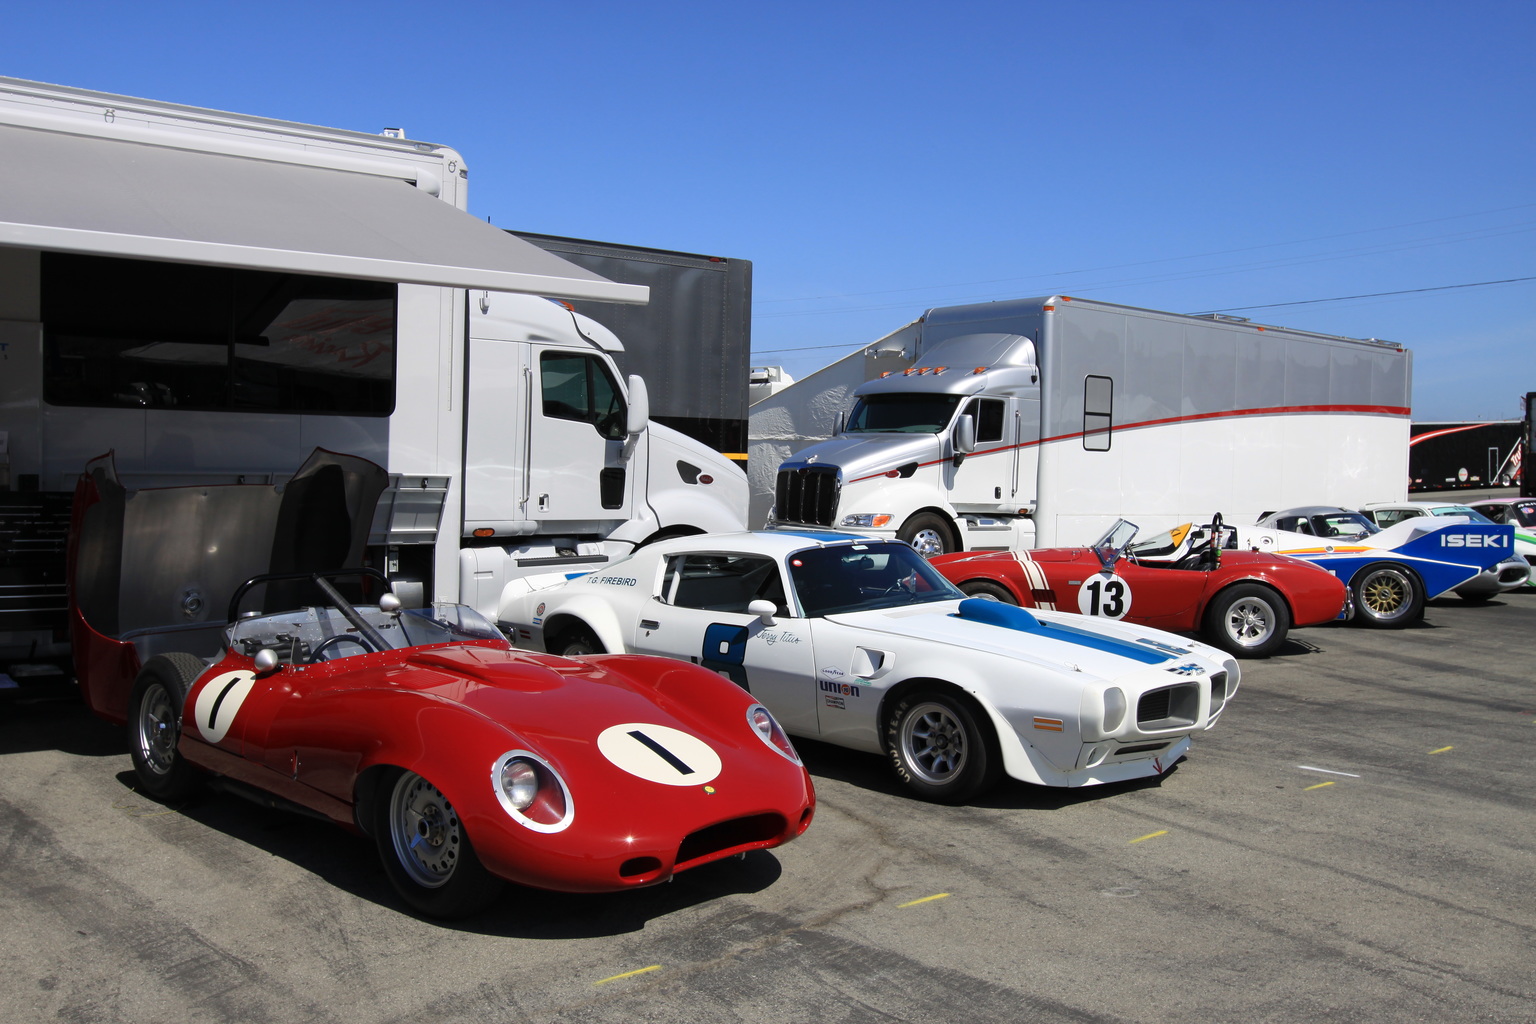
{"type": "Point", "coordinates": [1368, 295]}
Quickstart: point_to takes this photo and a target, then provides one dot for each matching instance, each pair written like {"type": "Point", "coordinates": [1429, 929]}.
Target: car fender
{"type": "Point", "coordinates": [591, 610]}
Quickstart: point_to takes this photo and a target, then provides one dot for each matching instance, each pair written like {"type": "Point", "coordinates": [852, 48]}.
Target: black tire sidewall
{"type": "Point", "coordinates": [983, 757]}
{"type": "Point", "coordinates": [469, 888]}
{"type": "Point", "coordinates": [988, 588]}
{"type": "Point", "coordinates": [1216, 620]}
{"type": "Point", "coordinates": [175, 673]}
{"type": "Point", "coordinates": [1415, 609]}
{"type": "Point", "coordinates": [927, 520]}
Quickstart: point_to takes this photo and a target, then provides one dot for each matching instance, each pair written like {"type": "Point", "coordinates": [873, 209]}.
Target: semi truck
{"type": "Point", "coordinates": [213, 296]}
{"type": "Point", "coordinates": [1465, 456]}
{"type": "Point", "coordinates": [1039, 422]}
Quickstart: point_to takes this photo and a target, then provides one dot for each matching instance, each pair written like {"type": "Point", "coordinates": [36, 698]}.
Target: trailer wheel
{"type": "Point", "coordinates": [1387, 596]}
{"type": "Point", "coordinates": [154, 726]}
{"type": "Point", "coordinates": [986, 588]}
{"type": "Point", "coordinates": [1247, 621]}
{"type": "Point", "coordinates": [928, 534]}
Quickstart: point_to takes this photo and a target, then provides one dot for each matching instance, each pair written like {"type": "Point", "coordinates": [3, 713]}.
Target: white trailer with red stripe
{"type": "Point", "coordinates": [1039, 422]}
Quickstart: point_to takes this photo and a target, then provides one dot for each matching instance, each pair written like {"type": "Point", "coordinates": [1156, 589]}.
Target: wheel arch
{"type": "Point", "coordinates": [1019, 759]}
{"type": "Point", "coordinates": [607, 632]}
{"type": "Point", "coordinates": [1258, 581]}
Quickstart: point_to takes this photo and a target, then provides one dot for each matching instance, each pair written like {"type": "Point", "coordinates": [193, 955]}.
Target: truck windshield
{"type": "Point", "coordinates": [902, 414]}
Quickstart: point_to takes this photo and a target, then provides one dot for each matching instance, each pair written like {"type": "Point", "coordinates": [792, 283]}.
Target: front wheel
{"type": "Point", "coordinates": [1248, 621]}
{"type": "Point", "coordinates": [928, 534]}
{"type": "Point", "coordinates": [154, 726]}
{"type": "Point", "coordinates": [426, 852]}
{"type": "Point", "coordinates": [939, 751]}
{"type": "Point", "coordinates": [1387, 596]}
{"type": "Point", "coordinates": [576, 641]}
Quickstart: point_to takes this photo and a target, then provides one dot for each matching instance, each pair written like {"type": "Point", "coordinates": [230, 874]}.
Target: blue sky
{"type": "Point", "coordinates": [876, 159]}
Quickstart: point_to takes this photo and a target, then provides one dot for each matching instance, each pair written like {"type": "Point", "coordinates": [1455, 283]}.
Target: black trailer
{"type": "Point", "coordinates": [1464, 456]}
{"type": "Point", "coordinates": [692, 342]}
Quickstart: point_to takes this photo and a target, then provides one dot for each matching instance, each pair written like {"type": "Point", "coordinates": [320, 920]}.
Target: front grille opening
{"type": "Point", "coordinates": [1140, 748]}
{"type": "Point", "coordinates": [806, 495]}
{"type": "Point", "coordinates": [1172, 707]}
{"type": "Point", "coordinates": [735, 836]}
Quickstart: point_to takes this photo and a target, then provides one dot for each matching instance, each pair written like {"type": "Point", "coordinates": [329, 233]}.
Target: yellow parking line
{"type": "Point", "coordinates": [1442, 750]}
{"type": "Point", "coordinates": [1320, 785]}
{"type": "Point", "coordinates": [925, 899]}
{"type": "Point", "coordinates": [629, 974]}
{"type": "Point", "coordinates": [1150, 835]}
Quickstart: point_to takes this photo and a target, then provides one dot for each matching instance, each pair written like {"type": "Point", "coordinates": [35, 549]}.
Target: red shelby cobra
{"type": "Point", "coordinates": [1241, 601]}
{"type": "Point", "coordinates": [468, 763]}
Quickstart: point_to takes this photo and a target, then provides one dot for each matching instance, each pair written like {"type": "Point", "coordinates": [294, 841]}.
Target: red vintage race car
{"type": "Point", "coordinates": [1241, 601]}
{"type": "Point", "coordinates": [468, 763]}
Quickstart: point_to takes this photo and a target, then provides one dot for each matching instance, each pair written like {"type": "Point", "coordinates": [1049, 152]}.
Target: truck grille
{"type": "Point", "coordinates": [1171, 707]}
{"type": "Point", "coordinates": [807, 495]}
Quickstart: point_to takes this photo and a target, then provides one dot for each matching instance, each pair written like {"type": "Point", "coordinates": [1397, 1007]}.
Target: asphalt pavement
{"type": "Point", "coordinates": [1353, 842]}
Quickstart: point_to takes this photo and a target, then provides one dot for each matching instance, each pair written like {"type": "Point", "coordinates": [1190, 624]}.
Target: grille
{"type": "Point", "coordinates": [728, 837]}
{"type": "Point", "coordinates": [807, 495]}
{"type": "Point", "coordinates": [1172, 707]}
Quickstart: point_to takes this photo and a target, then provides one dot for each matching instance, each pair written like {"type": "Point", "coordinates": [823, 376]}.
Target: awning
{"type": "Point", "coordinates": [111, 197]}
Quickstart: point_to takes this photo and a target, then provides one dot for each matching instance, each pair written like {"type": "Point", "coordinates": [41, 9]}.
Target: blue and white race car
{"type": "Point", "coordinates": [1390, 573]}
{"type": "Point", "coordinates": [861, 643]}
{"type": "Point", "coordinates": [1514, 571]}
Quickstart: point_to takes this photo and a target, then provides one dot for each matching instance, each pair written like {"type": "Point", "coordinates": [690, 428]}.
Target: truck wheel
{"type": "Point", "coordinates": [154, 726]}
{"type": "Point", "coordinates": [938, 750]}
{"type": "Point", "coordinates": [928, 534]}
{"type": "Point", "coordinates": [986, 588]}
{"type": "Point", "coordinates": [1248, 621]}
{"type": "Point", "coordinates": [577, 640]}
{"type": "Point", "coordinates": [1387, 596]}
{"type": "Point", "coordinates": [426, 852]}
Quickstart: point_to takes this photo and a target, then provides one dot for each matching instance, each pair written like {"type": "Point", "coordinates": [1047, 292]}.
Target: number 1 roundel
{"type": "Point", "coordinates": [1106, 595]}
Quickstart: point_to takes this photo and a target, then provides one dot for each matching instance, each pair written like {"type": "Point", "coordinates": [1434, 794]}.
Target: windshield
{"type": "Point", "coordinates": [1462, 510]}
{"type": "Point", "coordinates": [902, 414]}
{"type": "Point", "coordinates": [1114, 541]}
{"type": "Point", "coordinates": [1349, 525]}
{"type": "Point", "coordinates": [1524, 514]}
{"type": "Point", "coordinates": [322, 633]}
{"type": "Point", "coordinates": [864, 577]}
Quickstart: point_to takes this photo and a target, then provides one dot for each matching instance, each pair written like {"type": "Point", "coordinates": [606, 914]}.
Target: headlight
{"type": "Point", "coordinates": [869, 520]}
{"type": "Point", "coordinates": [770, 732]}
{"type": "Point", "coordinates": [1114, 709]}
{"type": "Point", "coordinates": [531, 791]}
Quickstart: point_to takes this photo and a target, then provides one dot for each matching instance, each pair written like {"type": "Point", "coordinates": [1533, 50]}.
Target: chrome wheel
{"type": "Point", "coordinates": [928, 543]}
{"type": "Point", "coordinates": [934, 743]}
{"type": "Point", "coordinates": [1250, 622]}
{"type": "Point", "coordinates": [424, 830]}
{"type": "Point", "coordinates": [156, 730]}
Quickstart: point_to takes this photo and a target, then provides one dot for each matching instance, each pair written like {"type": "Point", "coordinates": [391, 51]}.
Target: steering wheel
{"type": "Point", "coordinates": [331, 641]}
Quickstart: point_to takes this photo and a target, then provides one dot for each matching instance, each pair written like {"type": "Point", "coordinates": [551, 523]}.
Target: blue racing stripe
{"type": "Point", "coordinates": [996, 613]}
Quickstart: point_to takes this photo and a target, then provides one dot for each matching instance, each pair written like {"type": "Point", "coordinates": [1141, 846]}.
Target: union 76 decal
{"type": "Point", "coordinates": [659, 753]}
{"type": "Point", "coordinates": [219, 701]}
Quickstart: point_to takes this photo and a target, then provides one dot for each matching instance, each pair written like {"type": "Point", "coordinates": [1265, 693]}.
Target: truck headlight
{"type": "Point", "coordinates": [869, 520]}
{"type": "Point", "coordinates": [531, 791]}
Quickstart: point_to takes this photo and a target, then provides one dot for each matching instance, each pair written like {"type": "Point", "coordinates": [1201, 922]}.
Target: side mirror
{"type": "Point", "coordinates": [764, 610]}
{"type": "Point", "coordinates": [964, 438]}
{"type": "Point", "coordinates": [639, 406]}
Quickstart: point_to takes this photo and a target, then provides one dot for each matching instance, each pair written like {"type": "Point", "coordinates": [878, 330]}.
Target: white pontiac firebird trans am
{"type": "Point", "coordinates": [860, 643]}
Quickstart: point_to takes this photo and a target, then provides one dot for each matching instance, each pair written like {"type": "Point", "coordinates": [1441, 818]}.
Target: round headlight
{"type": "Point", "coordinates": [1114, 708]}
{"type": "Point", "coordinates": [520, 782]}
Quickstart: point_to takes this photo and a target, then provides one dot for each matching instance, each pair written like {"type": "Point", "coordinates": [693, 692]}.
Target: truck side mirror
{"type": "Point", "coordinates": [639, 406]}
{"type": "Point", "coordinates": [965, 438]}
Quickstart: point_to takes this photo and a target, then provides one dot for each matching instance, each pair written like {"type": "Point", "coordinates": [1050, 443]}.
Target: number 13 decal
{"type": "Point", "coordinates": [1105, 595]}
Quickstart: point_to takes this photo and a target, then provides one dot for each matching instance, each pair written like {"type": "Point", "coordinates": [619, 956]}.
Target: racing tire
{"type": "Point", "coordinates": [1387, 596]}
{"type": "Point", "coordinates": [576, 641]}
{"type": "Point", "coordinates": [1247, 621]}
{"type": "Point", "coordinates": [928, 534]}
{"type": "Point", "coordinates": [426, 851]}
{"type": "Point", "coordinates": [986, 588]}
{"type": "Point", "coordinates": [154, 726]}
{"type": "Point", "coordinates": [938, 750]}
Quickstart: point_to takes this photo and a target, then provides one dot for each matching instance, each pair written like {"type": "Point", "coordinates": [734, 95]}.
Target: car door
{"type": "Point", "coordinates": [700, 615]}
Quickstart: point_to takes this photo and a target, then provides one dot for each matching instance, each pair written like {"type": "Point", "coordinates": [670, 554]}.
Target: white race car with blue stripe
{"type": "Point", "coordinates": [1389, 572]}
{"type": "Point", "coordinates": [860, 643]}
